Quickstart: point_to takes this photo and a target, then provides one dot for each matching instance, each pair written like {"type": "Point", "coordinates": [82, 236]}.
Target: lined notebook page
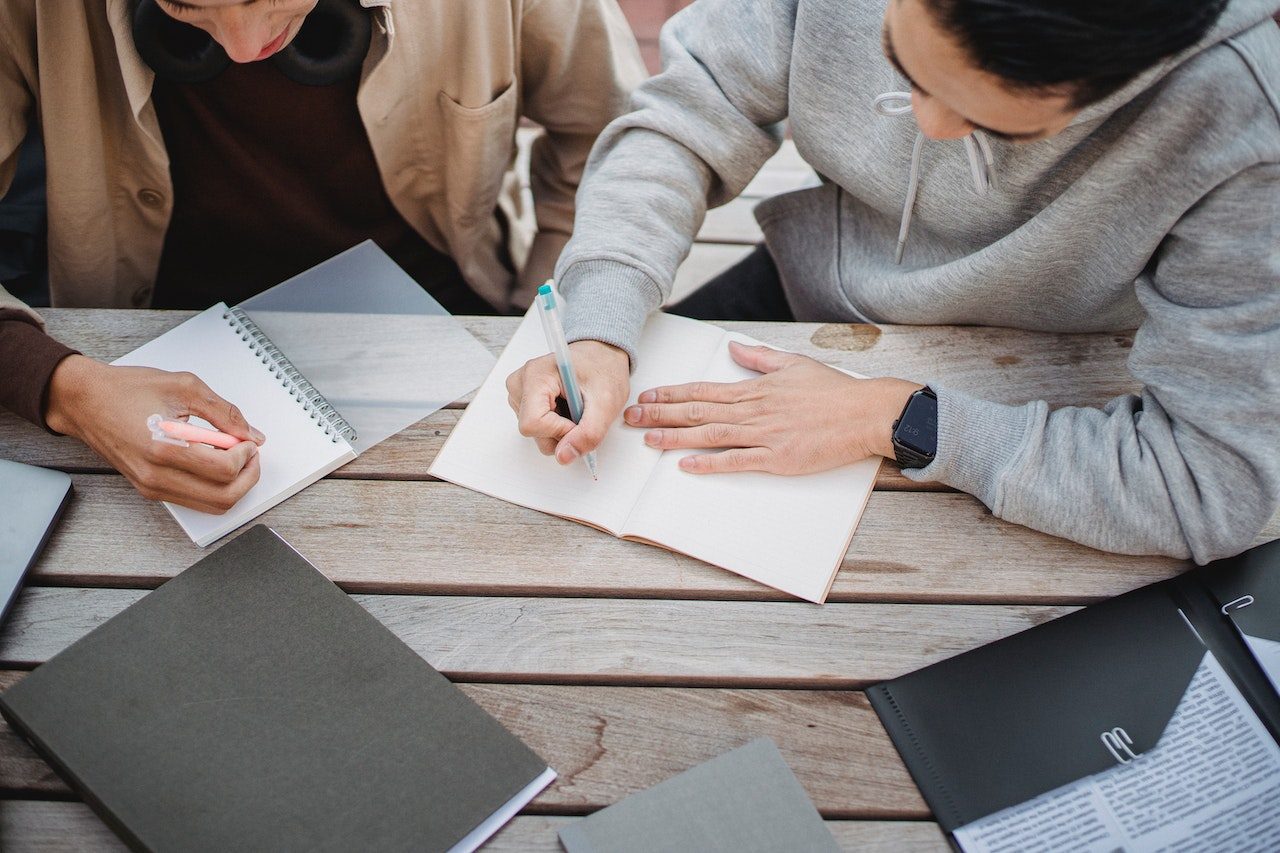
{"type": "Point", "coordinates": [297, 451]}
{"type": "Point", "coordinates": [486, 452]}
{"type": "Point", "coordinates": [790, 533]}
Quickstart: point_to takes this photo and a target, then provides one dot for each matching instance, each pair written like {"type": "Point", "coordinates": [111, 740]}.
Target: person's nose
{"type": "Point", "coordinates": [936, 120]}
{"type": "Point", "coordinates": [242, 32]}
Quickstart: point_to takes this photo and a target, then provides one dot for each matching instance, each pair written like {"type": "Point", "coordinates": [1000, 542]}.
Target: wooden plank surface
{"type": "Point", "coordinates": [608, 742]}
{"type": "Point", "coordinates": [405, 456]}
{"type": "Point", "coordinates": [28, 826]}
{"type": "Point", "coordinates": [1003, 365]}
{"type": "Point", "coordinates": [439, 539]}
{"type": "Point", "coordinates": [1064, 369]}
{"type": "Point", "coordinates": [610, 641]}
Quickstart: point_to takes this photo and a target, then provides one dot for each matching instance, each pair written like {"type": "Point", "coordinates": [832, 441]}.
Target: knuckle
{"type": "Point", "coordinates": [696, 412]}
{"type": "Point", "coordinates": [719, 433]}
{"type": "Point", "coordinates": [147, 479]}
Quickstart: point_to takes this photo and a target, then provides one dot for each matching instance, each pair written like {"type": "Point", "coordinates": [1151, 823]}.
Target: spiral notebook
{"type": "Point", "coordinates": [326, 365]}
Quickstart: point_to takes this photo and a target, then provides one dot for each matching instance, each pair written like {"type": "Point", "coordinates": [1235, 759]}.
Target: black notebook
{"type": "Point", "coordinates": [249, 704]}
{"type": "Point", "coordinates": [1147, 722]}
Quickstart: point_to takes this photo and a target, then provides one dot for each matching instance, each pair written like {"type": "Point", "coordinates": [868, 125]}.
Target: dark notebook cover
{"type": "Point", "coordinates": [1002, 724]}
{"type": "Point", "coordinates": [249, 704]}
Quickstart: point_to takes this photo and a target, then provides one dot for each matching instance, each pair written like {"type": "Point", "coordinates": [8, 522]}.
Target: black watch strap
{"type": "Point", "coordinates": [915, 432]}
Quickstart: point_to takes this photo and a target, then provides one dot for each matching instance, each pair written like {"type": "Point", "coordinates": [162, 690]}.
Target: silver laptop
{"type": "Point", "coordinates": [31, 501]}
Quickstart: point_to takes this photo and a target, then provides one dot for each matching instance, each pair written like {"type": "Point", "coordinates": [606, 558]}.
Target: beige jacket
{"type": "Point", "coordinates": [441, 93]}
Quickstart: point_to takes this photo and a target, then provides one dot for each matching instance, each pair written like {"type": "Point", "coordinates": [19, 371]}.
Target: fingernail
{"type": "Point", "coordinates": [567, 454]}
{"type": "Point", "coordinates": [258, 437]}
{"type": "Point", "coordinates": [653, 437]}
{"type": "Point", "coordinates": [648, 397]}
{"type": "Point", "coordinates": [632, 415]}
{"type": "Point", "coordinates": [688, 464]}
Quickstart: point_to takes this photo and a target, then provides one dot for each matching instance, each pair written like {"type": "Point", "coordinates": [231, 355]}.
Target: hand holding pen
{"type": "Point", "coordinates": [602, 376]}
{"type": "Point", "coordinates": [107, 407]}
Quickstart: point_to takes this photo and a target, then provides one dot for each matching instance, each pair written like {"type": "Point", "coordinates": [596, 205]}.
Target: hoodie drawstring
{"type": "Point", "coordinates": [981, 162]}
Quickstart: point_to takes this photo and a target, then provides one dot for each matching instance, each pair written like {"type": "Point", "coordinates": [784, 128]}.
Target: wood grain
{"type": "Point", "coordinates": [405, 456]}
{"type": "Point", "coordinates": [611, 641]}
{"type": "Point", "coordinates": [35, 826]}
{"type": "Point", "coordinates": [1003, 365]}
{"type": "Point", "coordinates": [440, 539]}
{"type": "Point", "coordinates": [1065, 369]}
{"type": "Point", "coordinates": [608, 742]}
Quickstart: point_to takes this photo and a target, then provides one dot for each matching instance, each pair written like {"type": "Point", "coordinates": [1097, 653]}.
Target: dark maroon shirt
{"type": "Point", "coordinates": [270, 177]}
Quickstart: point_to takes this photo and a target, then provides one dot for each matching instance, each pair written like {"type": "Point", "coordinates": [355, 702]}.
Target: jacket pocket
{"type": "Point", "coordinates": [479, 149]}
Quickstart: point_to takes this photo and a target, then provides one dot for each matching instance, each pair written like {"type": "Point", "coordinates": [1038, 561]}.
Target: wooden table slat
{"type": "Point", "coordinates": [606, 641]}
{"type": "Point", "coordinates": [608, 742]}
{"type": "Point", "coordinates": [435, 538]}
{"type": "Point", "coordinates": [405, 456]}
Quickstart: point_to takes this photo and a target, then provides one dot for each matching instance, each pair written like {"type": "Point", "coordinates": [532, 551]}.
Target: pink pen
{"type": "Point", "coordinates": [183, 434]}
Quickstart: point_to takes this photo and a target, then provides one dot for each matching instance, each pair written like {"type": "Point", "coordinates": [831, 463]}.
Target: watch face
{"type": "Point", "coordinates": [918, 428]}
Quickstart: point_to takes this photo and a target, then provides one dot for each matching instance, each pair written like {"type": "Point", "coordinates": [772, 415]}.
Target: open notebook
{"type": "Point", "coordinates": [326, 365]}
{"type": "Point", "coordinates": [790, 533]}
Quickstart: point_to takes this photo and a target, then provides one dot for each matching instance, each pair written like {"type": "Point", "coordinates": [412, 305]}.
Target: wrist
{"type": "Point", "coordinates": [890, 398]}
{"type": "Point", "coordinates": [599, 351]}
{"type": "Point", "coordinates": [67, 385]}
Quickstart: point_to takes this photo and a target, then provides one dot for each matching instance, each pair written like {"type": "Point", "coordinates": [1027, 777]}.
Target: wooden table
{"type": "Point", "coordinates": [621, 664]}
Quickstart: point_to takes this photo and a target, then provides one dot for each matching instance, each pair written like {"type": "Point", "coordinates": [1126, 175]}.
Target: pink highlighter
{"type": "Point", "coordinates": [184, 434]}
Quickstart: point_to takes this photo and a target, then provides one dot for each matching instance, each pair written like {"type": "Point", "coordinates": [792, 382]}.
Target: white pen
{"type": "Point", "coordinates": [554, 331]}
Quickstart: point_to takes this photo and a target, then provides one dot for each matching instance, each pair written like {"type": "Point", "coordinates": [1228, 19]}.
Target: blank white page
{"type": "Point", "coordinates": [297, 451]}
{"type": "Point", "coordinates": [486, 452]}
{"type": "Point", "coordinates": [790, 533]}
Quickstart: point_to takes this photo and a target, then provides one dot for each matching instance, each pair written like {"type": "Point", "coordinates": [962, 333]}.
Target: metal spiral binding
{"type": "Point", "coordinates": [300, 388]}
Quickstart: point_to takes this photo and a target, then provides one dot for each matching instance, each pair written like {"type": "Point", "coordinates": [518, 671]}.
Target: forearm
{"type": "Point", "coordinates": [696, 135]}
{"type": "Point", "coordinates": [30, 358]}
{"type": "Point", "coordinates": [1127, 479]}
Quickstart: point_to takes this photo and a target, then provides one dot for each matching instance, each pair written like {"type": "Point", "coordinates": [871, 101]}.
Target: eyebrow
{"type": "Point", "coordinates": [892, 56]}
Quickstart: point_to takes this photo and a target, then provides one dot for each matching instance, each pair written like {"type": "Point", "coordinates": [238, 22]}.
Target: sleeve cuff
{"type": "Point", "coordinates": [33, 356]}
{"type": "Point", "coordinates": [608, 301]}
{"type": "Point", "coordinates": [979, 442]}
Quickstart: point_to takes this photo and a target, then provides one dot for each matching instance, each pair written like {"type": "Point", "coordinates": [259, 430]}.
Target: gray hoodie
{"type": "Point", "coordinates": [1158, 208]}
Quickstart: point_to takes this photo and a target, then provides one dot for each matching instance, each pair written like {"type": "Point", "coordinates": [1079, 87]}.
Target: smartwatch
{"type": "Point", "coordinates": [915, 432]}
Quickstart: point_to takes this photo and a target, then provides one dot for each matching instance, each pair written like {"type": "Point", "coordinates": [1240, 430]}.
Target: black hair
{"type": "Point", "coordinates": [1087, 48]}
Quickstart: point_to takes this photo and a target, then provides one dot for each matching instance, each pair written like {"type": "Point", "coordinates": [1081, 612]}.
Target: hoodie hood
{"type": "Point", "coordinates": [1238, 16]}
{"type": "Point", "coordinates": [1235, 18]}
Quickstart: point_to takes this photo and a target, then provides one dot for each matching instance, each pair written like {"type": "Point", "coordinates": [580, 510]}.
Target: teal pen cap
{"type": "Point", "coordinates": [549, 313]}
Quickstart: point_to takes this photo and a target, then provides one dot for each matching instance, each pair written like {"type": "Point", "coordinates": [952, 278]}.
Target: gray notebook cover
{"type": "Point", "coordinates": [250, 704]}
{"type": "Point", "coordinates": [744, 801]}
